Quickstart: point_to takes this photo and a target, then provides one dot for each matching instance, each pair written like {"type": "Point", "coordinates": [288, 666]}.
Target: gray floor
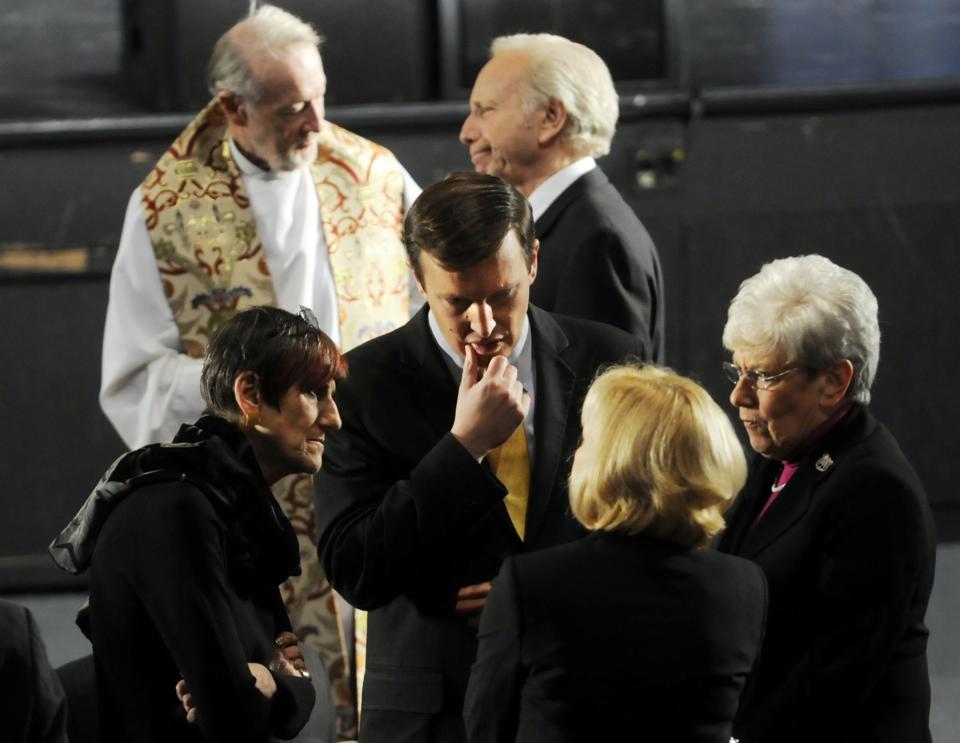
{"type": "Point", "coordinates": [55, 615]}
{"type": "Point", "coordinates": [944, 648]}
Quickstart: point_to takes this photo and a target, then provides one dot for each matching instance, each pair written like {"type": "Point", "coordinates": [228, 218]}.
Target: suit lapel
{"type": "Point", "coordinates": [555, 385]}
{"type": "Point", "coordinates": [748, 504]}
{"type": "Point", "coordinates": [786, 510]}
{"type": "Point", "coordinates": [799, 494]}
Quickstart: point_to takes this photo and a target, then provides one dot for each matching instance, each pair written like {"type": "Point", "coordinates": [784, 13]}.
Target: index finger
{"type": "Point", "coordinates": [477, 589]}
{"type": "Point", "coordinates": [469, 376]}
{"type": "Point", "coordinates": [525, 403]}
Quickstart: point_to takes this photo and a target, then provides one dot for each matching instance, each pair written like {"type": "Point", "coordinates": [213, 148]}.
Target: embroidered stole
{"type": "Point", "coordinates": [211, 259]}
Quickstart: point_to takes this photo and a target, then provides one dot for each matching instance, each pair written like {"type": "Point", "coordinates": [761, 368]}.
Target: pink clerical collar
{"type": "Point", "coordinates": [789, 467]}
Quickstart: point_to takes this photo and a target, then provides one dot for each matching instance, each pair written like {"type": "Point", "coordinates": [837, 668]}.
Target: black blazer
{"type": "Point", "coordinates": [405, 516]}
{"type": "Point", "coordinates": [597, 261]}
{"type": "Point", "coordinates": [615, 633]}
{"type": "Point", "coordinates": [33, 705]}
{"type": "Point", "coordinates": [848, 550]}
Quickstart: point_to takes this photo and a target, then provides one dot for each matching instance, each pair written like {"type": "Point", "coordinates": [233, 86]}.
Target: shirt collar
{"type": "Point", "coordinates": [458, 359]}
{"type": "Point", "coordinates": [251, 170]}
{"type": "Point", "coordinates": [548, 191]}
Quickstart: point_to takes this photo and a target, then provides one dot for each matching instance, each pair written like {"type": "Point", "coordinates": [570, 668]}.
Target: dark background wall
{"type": "Point", "coordinates": [749, 131]}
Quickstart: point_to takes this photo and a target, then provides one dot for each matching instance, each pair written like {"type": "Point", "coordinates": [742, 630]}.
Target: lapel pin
{"type": "Point", "coordinates": [824, 463]}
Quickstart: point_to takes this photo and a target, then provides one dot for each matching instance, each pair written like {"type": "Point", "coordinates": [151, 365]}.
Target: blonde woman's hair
{"type": "Point", "coordinates": [658, 456]}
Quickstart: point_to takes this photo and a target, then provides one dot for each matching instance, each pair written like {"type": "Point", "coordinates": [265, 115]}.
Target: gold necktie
{"type": "Point", "coordinates": [511, 464]}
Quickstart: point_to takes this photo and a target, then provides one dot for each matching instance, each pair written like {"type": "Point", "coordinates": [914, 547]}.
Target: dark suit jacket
{"type": "Point", "coordinates": [597, 261]}
{"type": "Point", "coordinates": [614, 633]}
{"type": "Point", "coordinates": [33, 708]}
{"type": "Point", "coordinates": [406, 516]}
{"type": "Point", "coordinates": [848, 550]}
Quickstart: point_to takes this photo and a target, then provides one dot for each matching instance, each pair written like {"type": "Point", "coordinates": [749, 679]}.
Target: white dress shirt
{"type": "Point", "coordinates": [148, 387]}
{"type": "Point", "coordinates": [548, 191]}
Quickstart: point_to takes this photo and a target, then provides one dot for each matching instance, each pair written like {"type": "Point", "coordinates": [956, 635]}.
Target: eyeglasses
{"type": "Point", "coordinates": [757, 380]}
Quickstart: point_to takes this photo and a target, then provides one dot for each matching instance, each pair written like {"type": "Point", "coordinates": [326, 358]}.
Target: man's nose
{"type": "Point", "coordinates": [481, 319]}
{"type": "Point", "coordinates": [468, 133]}
{"type": "Point", "coordinates": [314, 118]}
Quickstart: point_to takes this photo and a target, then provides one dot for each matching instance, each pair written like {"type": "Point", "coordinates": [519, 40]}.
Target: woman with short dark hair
{"type": "Point", "coordinates": [187, 547]}
{"type": "Point", "coordinates": [634, 632]}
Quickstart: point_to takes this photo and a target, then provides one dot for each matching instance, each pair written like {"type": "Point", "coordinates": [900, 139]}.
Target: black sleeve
{"type": "Point", "coordinates": [296, 697]}
{"type": "Point", "coordinates": [33, 705]}
{"type": "Point", "coordinates": [382, 532]}
{"type": "Point", "coordinates": [185, 591]}
{"type": "Point", "coordinates": [492, 707]}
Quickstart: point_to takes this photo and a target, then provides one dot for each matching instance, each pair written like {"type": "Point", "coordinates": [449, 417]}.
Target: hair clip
{"type": "Point", "coordinates": [306, 314]}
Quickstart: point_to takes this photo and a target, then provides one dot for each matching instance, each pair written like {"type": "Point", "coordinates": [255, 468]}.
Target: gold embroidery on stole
{"type": "Point", "coordinates": [211, 260]}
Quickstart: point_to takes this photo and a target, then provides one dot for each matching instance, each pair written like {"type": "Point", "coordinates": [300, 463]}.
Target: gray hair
{"type": "Point", "coordinates": [273, 31]}
{"type": "Point", "coordinates": [812, 311]}
{"type": "Point", "coordinates": [576, 76]}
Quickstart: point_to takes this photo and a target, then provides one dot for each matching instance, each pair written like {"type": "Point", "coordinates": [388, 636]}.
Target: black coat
{"type": "Point", "coordinates": [848, 550]}
{"type": "Point", "coordinates": [598, 262]}
{"type": "Point", "coordinates": [406, 516]}
{"type": "Point", "coordinates": [187, 547]}
{"type": "Point", "coordinates": [613, 633]}
{"type": "Point", "coordinates": [32, 706]}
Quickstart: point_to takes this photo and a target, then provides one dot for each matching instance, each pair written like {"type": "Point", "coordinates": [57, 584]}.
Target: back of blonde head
{"type": "Point", "coordinates": [658, 456]}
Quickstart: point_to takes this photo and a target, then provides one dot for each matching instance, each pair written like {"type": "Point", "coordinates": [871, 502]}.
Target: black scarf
{"type": "Point", "coordinates": [214, 456]}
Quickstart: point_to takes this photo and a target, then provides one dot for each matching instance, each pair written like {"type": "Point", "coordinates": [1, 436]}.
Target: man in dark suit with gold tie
{"type": "Point", "coordinates": [457, 434]}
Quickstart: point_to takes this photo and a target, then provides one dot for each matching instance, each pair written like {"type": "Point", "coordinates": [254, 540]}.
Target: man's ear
{"type": "Point", "coordinates": [534, 252]}
{"type": "Point", "coordinates": [233, 107]}
{"type": "Point", "coordinates": [416, 278]}
{"type": "Point", "coordinates": [246, 391]}
{"type": "Point", "coordinates": [552, 120]}
{"type": "Point", "coordinates": [837, 380]}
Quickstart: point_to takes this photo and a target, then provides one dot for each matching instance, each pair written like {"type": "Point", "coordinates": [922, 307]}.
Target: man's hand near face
{"type": "Point", "coordinates": [489, 408]}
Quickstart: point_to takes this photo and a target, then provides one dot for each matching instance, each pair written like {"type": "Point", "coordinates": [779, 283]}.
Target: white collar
{"type": "Point", "coordinates": [458, 359]}
{"type": "Point", "coordinates": [251, 170]}
{"type": "Point", "coordinates": [548, 191]}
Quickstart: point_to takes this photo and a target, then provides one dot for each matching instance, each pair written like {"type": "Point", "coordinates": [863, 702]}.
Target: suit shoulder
{"type": "Point", "coordinates": [371, 360]}
{"type": "Point", "coordinates": [738, 570]}
{"type": "Point", "coordinates": [378, 347]}
{"type": "Point", "coordinates": [875, 468]}
{"type": "Point", "coordinates": [600, 336]}
{"type": "Point", "coordinates": [603, 206]}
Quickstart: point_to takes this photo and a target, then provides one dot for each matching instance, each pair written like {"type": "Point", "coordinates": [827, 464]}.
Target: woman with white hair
{"type": "Point", "coordinates": [832, 512]}
{"type": "Point", "coordinates": [634, 632]}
